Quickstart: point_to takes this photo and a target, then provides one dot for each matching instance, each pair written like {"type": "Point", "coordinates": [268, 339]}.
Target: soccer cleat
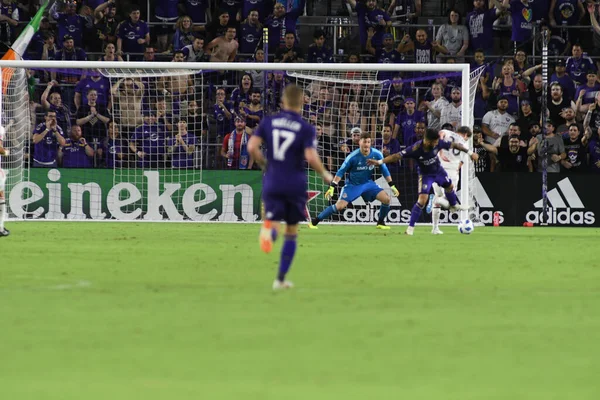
{"type": "Point", "coordinates": [436, 231]}
{"type": "Point", "coordinates": [429, 204]}
{"type": "Point", "coordinates": [383, 226]}
{"type": "Point", "coordinates": [279, 285]}
{"type": "Point", "coordinates": [265, 238]}
{"type": "Point", "coordinates": [312, 224]}
{"type": "Point", "coordinates": [410, 231]}
{"type": "Point", "coordinates": [4, 232]}
{"type": "Point", "coordinates": [459, 207]}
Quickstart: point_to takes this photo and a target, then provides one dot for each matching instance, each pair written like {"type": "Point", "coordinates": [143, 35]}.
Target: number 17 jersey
{"type": "Point", "coordinates": [286, 136]}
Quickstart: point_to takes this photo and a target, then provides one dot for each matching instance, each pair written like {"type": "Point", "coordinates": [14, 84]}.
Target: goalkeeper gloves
{"type": "Point", "coordinates": [395, 191]}
{"type": "Point", "coordinates": [331, 190]}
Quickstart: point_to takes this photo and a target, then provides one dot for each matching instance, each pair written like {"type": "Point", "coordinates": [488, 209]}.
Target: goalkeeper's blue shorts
{"type": "Point", "coordinates": [368, 191]}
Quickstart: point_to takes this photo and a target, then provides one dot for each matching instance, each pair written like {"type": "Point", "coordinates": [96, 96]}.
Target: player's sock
{"type": "Point", "coordinates": [274, 235]}
{"type": "Point", "coordinates": [2, 215]}
{"type": "Point", "coordinates": [326, 213]}
{"type": "Point", "coordinates": [415, 214]}
{"type": "Point", "coordinates": [435, 217]}
{"type": "Point", "coordinates": [452, 199]}
{"type": "Point", "coordinates": [383, 212]}
{"type": "Point", "coordinates": [287, 255]}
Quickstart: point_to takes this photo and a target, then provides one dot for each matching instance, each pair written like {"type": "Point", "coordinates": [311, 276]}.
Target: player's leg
{"type": "Point", "coordinates": [347, 195]}
{"type": "Point", "coordinates": [294, 213]}
{"type": "Point", "coordinates": [3, 231]}
{"type": "Point", "coordinates": [273, 211]}
{"type": "Point", "coordinates": [288, 251]}
{"type": "Point", "coordinates": [425, 183]}
{"type": "Point", "coordinates": [380, 194]}
{"type": "Point", "coordinates": [444, 181]}
{"type": "Point", "coordinates": [435, 201]}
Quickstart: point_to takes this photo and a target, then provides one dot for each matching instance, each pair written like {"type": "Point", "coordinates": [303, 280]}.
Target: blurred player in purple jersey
{"type": "Point", "coordinates": [425, 152]}
{"type": "Point", "coordinates": [289, 140]}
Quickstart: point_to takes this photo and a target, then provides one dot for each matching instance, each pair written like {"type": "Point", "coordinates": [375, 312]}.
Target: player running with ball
{"type": "Point", "coordinates": [290, 140]}
{"type": "Point", "coordinates": [451, 161]}
{"type": "Point", "coordinates": [424, 152]}
{"type": "Point", "coordinates": [3, 152]}
{"type": "Point", "coordinates": [359, 183]}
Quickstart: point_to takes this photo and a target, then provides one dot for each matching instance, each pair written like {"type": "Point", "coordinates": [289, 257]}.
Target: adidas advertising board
{"type": "Point", "coordinates": [518, 197]}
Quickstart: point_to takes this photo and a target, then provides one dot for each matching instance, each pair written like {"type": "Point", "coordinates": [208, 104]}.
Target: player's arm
{"type": "Point", "coordinates": [256, 153]}
{"type": "Point", "coordinates": [392, 158]}
{"type": "Point", "coordinates": [461, 147]}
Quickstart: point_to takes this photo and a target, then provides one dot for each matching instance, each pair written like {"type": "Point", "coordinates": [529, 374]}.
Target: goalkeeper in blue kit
{"type": "Point", "coordinates": [359, 183]}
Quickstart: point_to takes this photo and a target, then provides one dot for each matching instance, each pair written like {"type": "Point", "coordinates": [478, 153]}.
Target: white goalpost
{"type": "Point", "coordinates": [160, 142]}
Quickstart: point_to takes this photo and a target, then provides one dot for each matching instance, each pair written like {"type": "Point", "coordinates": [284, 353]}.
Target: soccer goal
{"type": "Point", "coordinates": [166, 141]}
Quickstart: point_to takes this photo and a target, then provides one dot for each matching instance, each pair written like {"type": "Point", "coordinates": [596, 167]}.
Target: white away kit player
{"type": "Point", "coordinates": [451, 161]}
{"type": "Point", "coordinates": [3, 152]}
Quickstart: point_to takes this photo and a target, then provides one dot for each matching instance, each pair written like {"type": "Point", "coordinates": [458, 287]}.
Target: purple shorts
{"type": "Point", "coordinates": [425, 181]}
{"type": "Point", "coordinates": [290, 209]}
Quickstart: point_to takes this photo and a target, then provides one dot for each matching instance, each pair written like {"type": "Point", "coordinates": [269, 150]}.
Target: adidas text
{"type": "Point", "coordinates": [562, 217]}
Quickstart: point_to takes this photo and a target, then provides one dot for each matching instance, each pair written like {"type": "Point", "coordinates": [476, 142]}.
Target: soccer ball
{"type": "Point", "coordinates": [466, 227]}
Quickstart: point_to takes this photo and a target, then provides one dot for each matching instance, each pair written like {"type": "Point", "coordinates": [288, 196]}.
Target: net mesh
{"type": "Point", "coordinates": [16, 120]}
{"type": "Point", "coordinates": [169, 144]}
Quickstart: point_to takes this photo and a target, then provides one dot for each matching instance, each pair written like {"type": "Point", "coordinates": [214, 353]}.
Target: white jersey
{"type": "Point", "coordinates": [451, 115]}
{"type": "Point", "coordinates": [497, 122]}
{"type": "Point", "coordinates": [451, 159]}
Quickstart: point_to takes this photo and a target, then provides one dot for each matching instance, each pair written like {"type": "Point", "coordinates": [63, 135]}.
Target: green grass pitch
{"type": "Point", "coordinates": [185, 311]}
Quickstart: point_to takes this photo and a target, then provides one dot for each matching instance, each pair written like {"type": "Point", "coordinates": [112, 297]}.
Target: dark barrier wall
{"type": "Point", "coordinates": [572, 199]}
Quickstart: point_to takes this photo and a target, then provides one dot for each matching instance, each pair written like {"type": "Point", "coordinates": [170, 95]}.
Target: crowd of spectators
{"type": "Point", "coordinates": [205, 120]}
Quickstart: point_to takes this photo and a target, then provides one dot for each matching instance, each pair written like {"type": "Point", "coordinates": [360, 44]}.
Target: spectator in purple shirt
{"type": "Point", "coordinates": [95, 82]}
{"type": "Point", "coordinates": [196, 9]}
{"type": "Point", "coordinates": [232, 7]}
{"type": "Point", "coordinates": [318, 52]}
{"type": "Point", "coordinates": [388, 145]}
{"type": "Point", "coordinates": [370, 16]}
{"type": "Point", "coordinates": [76, 152]}
{"type": "Point", "coordinates": [93, 117]}
{"type": "Point", "coordinates": [579, 64]}
{"type": "Point", "coordinates": [184, 33]}
{"type": "Point", "coordinates": [167, 12]}
{"type": "Point", "coordinates": [47, 136]}
{"type": "Point", "coordinates": [385, 54]}
{"type": "Point", "coordinates": [9, 20]}
{"type": "Point", "coordinates": [260, 6]}
{"type": "Point", "coordinates": [181, 147]}
{"type": "Point", "coordinates": [250, 33]}
{"type": "Point", "coordinates": [281, 22]}
{"type": "Point", "coordinates": [480, 23]}
{"type": "Point", "coordinates": [52, 100]}
{"type": "Point", "coordinates": [113, 150]}
{"type": "Point", "coordinates": [560, 76]}
{"type": "Point", "coordinates": [69, 22]}
{"type": "Point", "coordinates": [133, 35]}
{"type": "Point", "coordinates": [522, 18]}
{"type": "Point", "coordinates": [586, 94]}
{"type": "Point", "coordinates": [407, 120]}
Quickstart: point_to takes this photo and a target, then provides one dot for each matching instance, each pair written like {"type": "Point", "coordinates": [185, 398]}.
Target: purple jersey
{"type": "Point", "coordinates": [231, 7]}
{"type": "Point", "coordinates": [393, 146]}
{"type": "Point", "coordinates": [577, 68]}
{"type": "Point", "coordinates": [196, 9]}
{"type": "Point", "coordinates": [249, 37]}
{"type": "Point", "coordinates": [387, 57]}
{"type": "Point", "coordinates": [151, 140]}
{"type": "Point", "coordinates": [286, 135]}
{"type": "Point", "coordinates": [590, 93]}
{"type": "Point", "coordinates": [566, 83]}
{"type": "Point", "coordinates": [181, 158]}
{"type": "Point", "coordinates": [371, 19]}
{"type": "Point", "coordinates": [101, 86]}
{"type": "Point", "coordinates": [223, 124]}
{"type": "Point", "coordinates": [251, 123]}
{"type": "Point", "coordinates": [481, 29]}
{"type": "Point", "coordinates": [73, 25]}
{"type": "Point", "coordinates": [278, 26]}
{"type": "Point", "coordinates": [166, 10]}
{"type": "Point", "coordinates": [509, 93]}
{"type": "Point", "coordinates": [428, 162]}
{"type": "Point", "coordinates": [256, 5]}
{"type": "Point", "coordinates": [407, 124]}
{"type": "Point", "coordinates": [522, 16]}
{"type": "Point", "coordinates": [45, 151]}
{"type": "Point", "coordinates": [319, 55]}
{"type": "Point", "coordinates": [594, 151]}
{"type": "Point", "coordinates": [74, 156]}
{"type": "Point", "coordinates": [129, 33]}
{"type": "Point", "coordinates": [111, 149]}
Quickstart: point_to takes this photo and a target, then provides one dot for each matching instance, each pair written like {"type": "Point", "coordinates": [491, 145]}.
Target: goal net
{"type": "Point", "coordinates": [168, 141]}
